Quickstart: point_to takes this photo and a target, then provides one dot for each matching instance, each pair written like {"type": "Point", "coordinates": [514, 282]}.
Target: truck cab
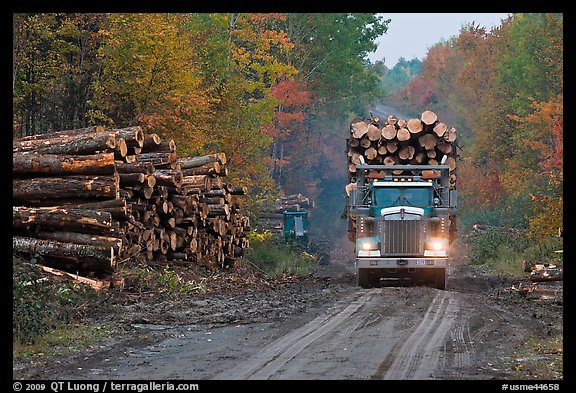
{"type": "Point", "coordinates": [404, 223]}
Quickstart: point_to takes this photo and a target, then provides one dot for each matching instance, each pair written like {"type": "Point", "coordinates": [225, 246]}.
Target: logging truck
{"type": "Point", "coordinates": [401, 209]}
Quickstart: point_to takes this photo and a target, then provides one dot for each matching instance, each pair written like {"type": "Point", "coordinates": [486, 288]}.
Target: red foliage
{"type": "Point", "coordinates": [291, 93]}
{"type": "Point", "coordinates": [555, 161]}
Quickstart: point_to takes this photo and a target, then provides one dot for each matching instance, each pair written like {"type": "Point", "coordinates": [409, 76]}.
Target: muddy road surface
{"type": "Point", "coordinates": [322, 327]}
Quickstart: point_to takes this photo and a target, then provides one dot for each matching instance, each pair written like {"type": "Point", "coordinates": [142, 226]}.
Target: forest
{"type": "Point", "coordinates": [503, 90]}
{"type": "Point", "coordinates": [276, 92]}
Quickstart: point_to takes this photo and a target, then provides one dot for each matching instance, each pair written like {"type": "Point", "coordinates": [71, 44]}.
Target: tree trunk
{"type": "Point", "coordinates": [192, 162]}
{"type": "Point", "coordinates": [415, 126]}
{"type": "Point", "coordinates": [389, 132]}
{"type": "Point", "coordinates": [428, 117]}
{"type": "Point", "coordinates": [64, 219]}
{"type": "Point", "coordinates": [63, 133]}
{"type": "Point", "coordinates": [54, 248]}
{"type": "Point", "coordinates": [359, 128]}
{"type": "Point", "coordinates": [373, 133]}
{"type": "Point", "coordinates": [140, 167]}
{"type": "Point", "coordinates": [403, 135]}
{"type": "Point", "coordinates": [82, 238]}
{"type": "Point", "coordinates": [64, 187]}
{"type": "Point", "coordinates": [132, 136]}
{"type": "Point", "coordinates": [406, 152]}
{"type": "Point", "coordinates": [440, 129]}
{"type": "Point", "coordinates": [79, 144]}
{"type": "Point", "coordinates": [428, 141]}
{"type": "Point", "coordinates": [53, 164]}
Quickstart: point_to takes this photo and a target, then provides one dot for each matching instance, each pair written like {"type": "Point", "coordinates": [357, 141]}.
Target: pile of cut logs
{"type": "Point", "coordinates": [273, 219]}
{"type": "Point", "coordinates": [85, 200]}
{"type": "Point", "coordinates": [424, 141]}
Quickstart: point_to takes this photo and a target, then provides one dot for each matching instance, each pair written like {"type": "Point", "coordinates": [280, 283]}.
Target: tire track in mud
{"type": "Point", "coordinates": [417, 355]}
{"type": "Point", "coordinates": [272, 358]}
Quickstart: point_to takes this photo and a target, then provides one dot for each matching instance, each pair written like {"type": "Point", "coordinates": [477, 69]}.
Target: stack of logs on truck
{"type": "Point", "coordinates": [396, 141]}
{"type": "Point", "coordinates": [85, 200]}
{"type": "Point", "coordinates": [423, 141]}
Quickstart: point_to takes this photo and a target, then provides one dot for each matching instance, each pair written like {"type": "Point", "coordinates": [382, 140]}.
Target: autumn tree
{"type": "Point", "coordinates": [54, 70]}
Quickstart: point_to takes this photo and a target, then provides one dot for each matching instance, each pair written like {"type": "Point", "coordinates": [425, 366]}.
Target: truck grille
{"type": "Point", "coordinates": [402, 235]}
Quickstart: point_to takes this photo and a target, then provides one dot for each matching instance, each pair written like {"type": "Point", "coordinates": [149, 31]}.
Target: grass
{"type": "Point", "coordinates": [276, 258]}
{"type": "Point", "coordinates": [504, 250]}
{"type": "Point", "coordinates": [540, 358]}
{"type": "Point", "coordinates": [65, 340]}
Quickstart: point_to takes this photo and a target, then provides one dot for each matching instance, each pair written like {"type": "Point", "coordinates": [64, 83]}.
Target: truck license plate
{"type": "Point", "coordinates": [420, 262]}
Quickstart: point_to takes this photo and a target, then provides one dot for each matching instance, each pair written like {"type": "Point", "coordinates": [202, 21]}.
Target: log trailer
{"type": "Point", "coordinates": [404, 223]}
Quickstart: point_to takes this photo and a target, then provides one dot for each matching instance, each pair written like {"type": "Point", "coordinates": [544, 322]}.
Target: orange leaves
{"type": "Point", "coordinates": [291, 93]}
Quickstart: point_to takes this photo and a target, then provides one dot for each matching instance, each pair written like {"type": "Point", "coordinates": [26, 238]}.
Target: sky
{"type": "Point", "coordinates": [411, 35]}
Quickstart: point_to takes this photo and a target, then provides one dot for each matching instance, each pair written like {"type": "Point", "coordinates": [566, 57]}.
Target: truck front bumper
{"type": "Point", "coordinates": [397, 263]}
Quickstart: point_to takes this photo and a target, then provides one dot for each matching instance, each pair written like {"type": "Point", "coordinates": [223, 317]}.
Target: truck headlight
{"type": "Point", "coordinates": [437, 244]}
{"type": "Point", "coordinates": [369, 245]}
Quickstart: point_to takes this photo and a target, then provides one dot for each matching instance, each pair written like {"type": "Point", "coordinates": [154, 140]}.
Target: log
{"type": "Point", "coordinates": [157, 158]}
{"type": "Point", "coordinates": [242, 190]}
{"type": "Point", "coordinates": [373, 132]}
{"type": "Point", "coordinates": [392, 146]}
{"type": "Point", "coordinates": [391, 120]}
{"type": "Point", "coordinates": [140, 167]}
{"type": "Point", "coordinates": [151, 140]}
{"type": "Point", "coordinates": [415, 126]}
{"type": "Point", "coordinates": [428, 141]}
{"type": "Point", "coordinates": [72, 145]}
{"type": "Point", "coordinates": [403, 135]}
{"type": "Point", "coordinates": [53, 248]}
{"type": "Point", "coordinates": [54, 164]}
{"type": "Point", "coordinates": [440, 129]}
{"type": "Point", "coordinates": [371, 153]}
{"type": "Point", "coordinates": [96, 284]}
{"type": "Point", "coordinates": [81, 238]}
{"type": "Point", "coordinates": [406, 152]}
{"type": "Point", "coordinates": [62, 133]}
{"type": "Point", "coordinates": [118, 208]}
{"type": "Point", "coordinates": [365, 142]}
{"type": "Point", "coordinates": [164, 146]}
{"type": "Point", "coordinates": [64, 219]}
{"type": "Point", "coordinates": [389, 132]}
{"type": "Point", "coordinates": [451, 162]}
{"type": "Point", "coordinates": [358, 128]}
{"type": "Point", "coordinates": [120, 149]}
{"type": "Point", "coordinates": [201, 181]}
{"type": "Point", "coordinates": [219, 211]}
{"type": "Point", "coordinates": [192, 162]}
{"type": "Point", "coordinates": [168, 177]}
{"type": "Point", "coordinates": [451, 136]}
{"type": "Point", "coordinates": [212, 169]}
{"type": "Point", "coordinates": [445, 147]}
{"type": "Point", "coordinates": [64, 187]}
{"type": "Point", "coordinates": [132, 136]}
{"type": "Point", "coordinates": [428, 117]}
{"type": "Point", "coordinates": [128, 179]}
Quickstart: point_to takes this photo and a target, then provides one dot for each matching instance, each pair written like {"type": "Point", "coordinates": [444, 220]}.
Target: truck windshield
{"type": "Point", "coordinates": [402, 196]}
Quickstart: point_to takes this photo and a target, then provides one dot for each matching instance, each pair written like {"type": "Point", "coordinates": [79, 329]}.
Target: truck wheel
{"type": "Point", "coordinates": [368, 278]}
{"type": "Point", "coordinates": [439, 278]}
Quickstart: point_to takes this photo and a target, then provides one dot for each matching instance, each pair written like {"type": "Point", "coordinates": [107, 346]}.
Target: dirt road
{"type": "Point", "coordinates": [324, 327]}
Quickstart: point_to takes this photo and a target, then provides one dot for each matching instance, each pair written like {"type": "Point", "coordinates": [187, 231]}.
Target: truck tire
{"type": "Point", "coordinates": [368, 278]}
{"type": "Point", "coordinates": [439, 278]}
